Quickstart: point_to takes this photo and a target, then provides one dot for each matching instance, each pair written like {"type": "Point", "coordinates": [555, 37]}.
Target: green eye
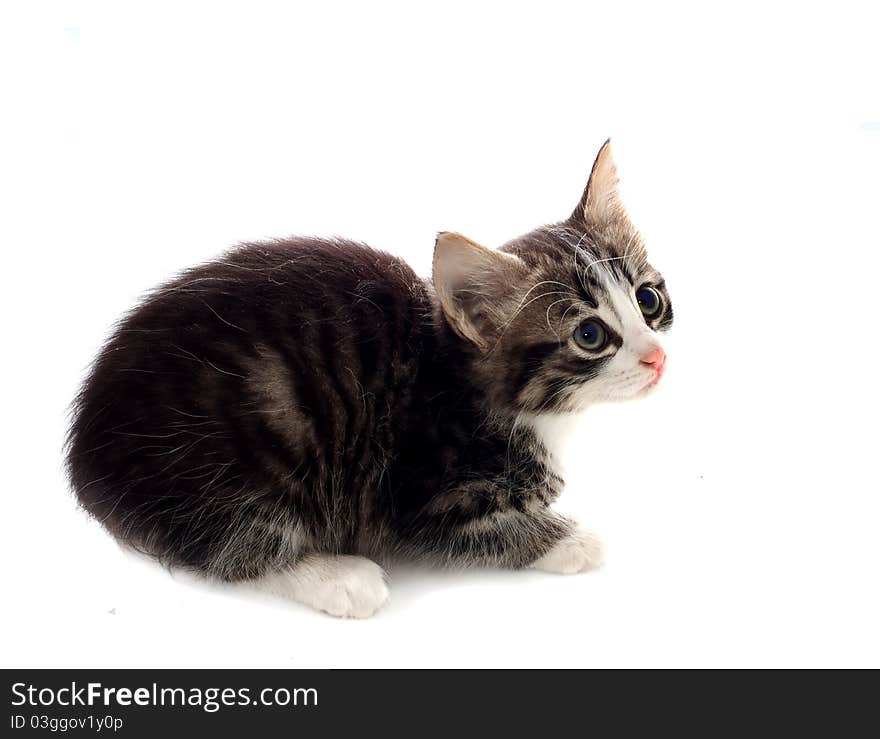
{"type": "Point", "coordinates": [649, 301]}
{"type": "Point", "coordinates": [591, 335]}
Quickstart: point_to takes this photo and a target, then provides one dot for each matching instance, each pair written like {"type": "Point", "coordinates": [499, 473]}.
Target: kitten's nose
{"type": "Point", "coordinates": [656, 358]}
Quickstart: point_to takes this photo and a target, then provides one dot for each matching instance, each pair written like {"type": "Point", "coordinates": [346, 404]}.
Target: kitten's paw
{"type": "Point", "coordinates": [343, 586]}
{"type": "Point", "coordinates": [356, 589]}
{"type": "Point", "coordinates": [578, 552]}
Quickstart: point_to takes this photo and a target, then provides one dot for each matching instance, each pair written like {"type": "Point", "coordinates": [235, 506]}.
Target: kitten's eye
{"type": "Point", "coordinates": [649, 301]}
{"type": "Point", "coordinates": [591, 335]}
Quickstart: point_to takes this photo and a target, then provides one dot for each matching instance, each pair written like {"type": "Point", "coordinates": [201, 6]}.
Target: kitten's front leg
{"type": "Point", "coordinates": [579, 551]}
{"type": "Point", "coordinates": [534, 536]}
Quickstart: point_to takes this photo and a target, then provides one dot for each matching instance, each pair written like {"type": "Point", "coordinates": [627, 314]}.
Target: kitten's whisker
{"type": "Point", "coordinates": [629, 245]}
{"type": "Point", "coordinates": [519, 310]}
{"type": "Point", "coordinates": [576, 253]}
{"type": "Point", "coordinates": [553, 397]}
{"type": "Point", "coordinates": [561, 300]}
{"type": "Point", "coordinates": [565, 313]}
{"type": "Point", "coordinates": [602, 261]}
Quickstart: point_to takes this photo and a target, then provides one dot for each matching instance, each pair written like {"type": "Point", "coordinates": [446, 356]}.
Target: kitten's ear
{"type": "Point", "coordinates": [601, 198]}
{"type": "Point", "coordinates": [473, 283]}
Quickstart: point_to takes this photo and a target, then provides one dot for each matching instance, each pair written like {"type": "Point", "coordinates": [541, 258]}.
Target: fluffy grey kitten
{"type": "Point", "coordinates": [295, 412]}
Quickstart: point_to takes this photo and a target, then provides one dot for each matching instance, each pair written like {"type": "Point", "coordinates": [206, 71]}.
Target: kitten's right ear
{"type": "Point", "coordinates": [472, 282]}
{"type": "Point", "coordinates": [601, 199]}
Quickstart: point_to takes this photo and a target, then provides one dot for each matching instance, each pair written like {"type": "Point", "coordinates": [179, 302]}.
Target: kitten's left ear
{"type": "Point", "coordinates": [601, 198]}
{"type": "Point", "coordinates": [474, 285]}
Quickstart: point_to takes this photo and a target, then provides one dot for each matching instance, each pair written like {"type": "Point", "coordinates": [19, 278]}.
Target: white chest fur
{"type": "Point", "coordinates": [554, 431]}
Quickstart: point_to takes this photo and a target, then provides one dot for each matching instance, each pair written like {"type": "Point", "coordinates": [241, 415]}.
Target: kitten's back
{"type": "Point", "coordinates": [248, 400]}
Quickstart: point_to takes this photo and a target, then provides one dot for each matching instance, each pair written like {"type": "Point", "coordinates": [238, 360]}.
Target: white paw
{"type": "Point", "coordinates": [355, 593]}
{"type": "Point", "coordinates": [578, 552]}
{"type": "Point", "coordinates": [343, 586]}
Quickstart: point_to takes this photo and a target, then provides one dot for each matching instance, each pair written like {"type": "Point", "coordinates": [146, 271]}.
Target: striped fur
{"type": "Point", "coordinates": [315, 397]}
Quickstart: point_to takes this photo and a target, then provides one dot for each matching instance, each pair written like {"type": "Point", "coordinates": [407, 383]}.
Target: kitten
{"type": "Point", "coordinates": [297, 410]}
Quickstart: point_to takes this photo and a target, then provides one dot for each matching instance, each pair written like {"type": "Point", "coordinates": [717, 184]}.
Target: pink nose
{"type": "Point", "coordinates": [656, 358]}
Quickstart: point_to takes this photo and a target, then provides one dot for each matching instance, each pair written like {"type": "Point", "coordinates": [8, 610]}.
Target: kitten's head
{"type": "Point", "coordinates": [562, 317]}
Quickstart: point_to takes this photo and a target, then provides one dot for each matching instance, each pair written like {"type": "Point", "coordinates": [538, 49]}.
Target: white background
{"type": "Point", "coordinates": [739, 503]}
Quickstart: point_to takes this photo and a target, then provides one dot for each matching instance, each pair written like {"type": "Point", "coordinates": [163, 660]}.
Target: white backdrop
{"type": "Point", "coordinates": [739, 503]}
